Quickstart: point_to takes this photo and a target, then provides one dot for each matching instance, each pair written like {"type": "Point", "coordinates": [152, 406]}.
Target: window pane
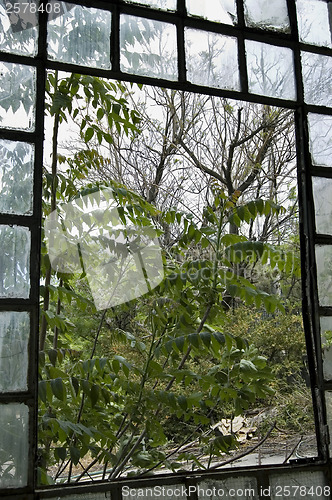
{"type": "Point", "coordinates": [326, 335]}
{"type": "Point", "coordinates": [313, 22]}
{"type": "Point", "coordinates": [14, 338]}
{"type": "Point", "coordinates": [15, 245]}
{"type": "Point", "coordinates": [320, 132]}
{"type": "Point", "coordinates": [317, 78]}
{"type": "Point", "coordinates": [14, 443]}
{"type": "Point", "coordinates": [270, 70]}
{"type": "Point", "coordinates": [328, 396]}
{"type": "Point", "coordinates": [265, 14]}
{"type": "Point", "coordinates": [17, 96]}
{"type": "Point", "coordinates": [148, 47]}
{"type": "Point", "coordinates": [324, 274]}
{"type": "Point", "coordinates": [293, 482]}
{"type": "Point", "coordinates": [81, 36]}
{"type": "Point", "coordinates": [157, 4]}
{"type": "Point", "coordinates": [18, 32]}
{"type": "Point", "coordinates": [212, 59]}
{"type": "Point", "coordinates": [229, 486]}
{"type": "Point", "coordinates": [85, 496]}
{"type": "Point", "coordinates": [16, 162]}
{"type": "Point", "coordinates": [218, 10]}
{"type": "Point", "coordinates": [322, 189]}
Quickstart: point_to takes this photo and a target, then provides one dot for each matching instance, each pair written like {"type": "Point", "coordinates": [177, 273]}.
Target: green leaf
{"type": "Point", "coordinates": [94, 394]}
{"type": "Point", "coordinates": [42, 390]}
{"type": "Point", "coordinates": [53, 354]}
{"type": "Point", "coordinates": [88, 134]}
{"type": "Point", "coordinates": [58, 388]}
{"type": "Point", "coordinates": [75, 454]}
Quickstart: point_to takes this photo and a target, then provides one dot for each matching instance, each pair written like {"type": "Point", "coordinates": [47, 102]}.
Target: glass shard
{"type": "Point", "coordinates": [15, 242]}
{"type": "Point", "coordinates": [16, 162]}
{"type": "Point", "coordinates": [317, 78]}
{"type": "Point", "coordinates": [17, 96]}
{"type": "Point", "coordinates": [157, 4]}
{"type": "Point", "coordinates": [270, 70]}
{"type": "Point", "coordinates": [320, 133]}
{"type": "Point", "coordinates": [18, 32]}
{"type": "Point", "coordinates": [313, 22]}
{"type": "Point", "coordinates": [267, 14]}
{"type": "Point", "coordinates": [81, 36]}
{"type": "Point", "coordinates": [14, 445]}
{"type": "Point", "coordinates": [148, 47]}
{"type": "Point", "coordinates": [324, 274]}
{"type": "Point", "coordinates": [14, 338]}
{"type": "Point", "coordinates": [322, 190]}
{"type": "Point", "coordinates": [326, 339]}
{"type": "Point", "coordinates": [212, 59]}
{"type": "Point", "coordinates": [220, 11]}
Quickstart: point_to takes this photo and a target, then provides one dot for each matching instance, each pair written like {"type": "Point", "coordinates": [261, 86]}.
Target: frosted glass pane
{"type": "Point", "coordinates": [212, 59]}
{"type": "Point", "coordinates": [157, 4]}
{"type": "Point", "coordinates": [14, 338]}
{"type": "Point", "coordinates": [15, 245]}
{"type": "Point", "coordinates": [245, 487]}
{"type": "Point", "coordinates": [270, 70]}
{"type": "Point", "coordinates": [322, 189]}
{"type": "Point", "coordinates": [170, 492]}
{"type": "Point", "coordinates": [14, 445]}
{"type": "Point", "coordinates": [148, 47]}
{"type": "Point", "coordinates": [313, 22]}
{"type": "Point", "coordinates": [267, 14]}
{"type": "Point", "coordinates": [320, 134]}
{"type": "Point", "coordinates": [18, 32]}
{"type": "Point", "coordinates": [294, 480]}
{"type": "Point", "coordinates": [16, 162]}
{"type": "Point", "coordinates": [317, 78]}
{"type": "Point", "coordinates": [17, 96]}
{"type": "Point", "coordinates": [81, 36]}
{"type": "Point", "coordinates": [326, 336]}
{"type": "Point", "coordinates": [324, 274]}
{"type": "Point", "coordinates": [223, 11]}
{"type": "Point", "coordinates": [328, 396]}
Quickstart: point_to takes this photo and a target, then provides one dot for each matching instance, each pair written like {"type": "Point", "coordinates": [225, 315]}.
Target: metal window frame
{"type": "Point", "coordinates": [308, 236]}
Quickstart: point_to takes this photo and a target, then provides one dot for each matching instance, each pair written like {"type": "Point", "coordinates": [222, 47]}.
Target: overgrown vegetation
{"type": "Point", "coordinates": [194, 348]}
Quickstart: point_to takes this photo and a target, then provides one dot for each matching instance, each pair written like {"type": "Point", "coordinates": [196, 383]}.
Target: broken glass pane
{"type": "Point", "coordinates": [314, 22]}
{"type": "Point", "coordinates": [267, 14]}
{"type": "Point", "coordinates": [320, 132]}
{"type": "Point", "coordinates": [16, 162]}
{"type": "Point", "coordinates": [15, 242]}
{"type": "Point", "coordinates": [18, 32]}
{"type": "Point", "coordinates": [326, 336]}
{"type": "Point", "coordinates": [270, 70]}
{"type": "Point", "coordinates": [148, 47]}
{"type": "Point", "coordinates": [157, 4]}
{"type": "Point", "coordinates": [14, 445]}
{"type": "Point", "coordinates": [17, 96]}
{"type": "Point", "coordinates": [221, 11]}
{"type": "Point", "coordinates": [14, 338]}
{"type": "Point", "coordinates": [322, 189]}
{"type": "Point", "coordinates": [212, 59]}
{"type": "Point", "coordinates": [324, 274]}
{"type": "Point", "coordinates": [81, 36]}
{"type": "Point", "coordinates": [317, 78]}
{"type": "Point", "coordinates": [293, 481]}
